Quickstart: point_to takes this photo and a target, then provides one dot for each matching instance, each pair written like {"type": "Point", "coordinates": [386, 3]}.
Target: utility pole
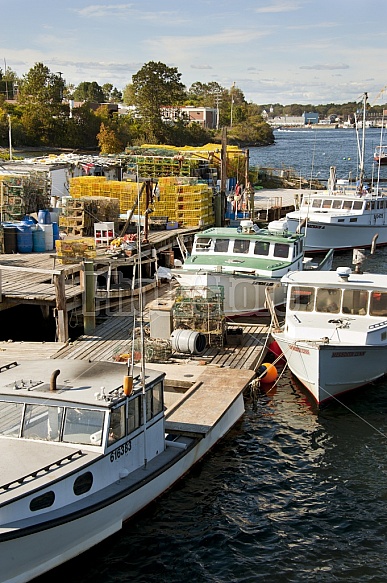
{"type": "Point", "coordinates": [10, 137]}
{"type": "Point", "coordinates": [232, 102]}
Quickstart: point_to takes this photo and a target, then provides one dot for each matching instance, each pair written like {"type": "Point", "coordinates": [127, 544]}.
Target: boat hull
{"type": "Point", "coordinates": [329, 370]}
{"type": "Point", "coordinates": [320, 236]}
{"type": "Point", "coordinates": [27, 551]}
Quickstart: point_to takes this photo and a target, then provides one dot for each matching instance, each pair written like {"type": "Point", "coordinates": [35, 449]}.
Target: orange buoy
{"type": "Point", "coordinates": [267, 372]}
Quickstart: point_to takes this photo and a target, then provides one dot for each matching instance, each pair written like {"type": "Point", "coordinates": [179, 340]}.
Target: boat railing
{"type": "Point", "coordinates": [44, 469]}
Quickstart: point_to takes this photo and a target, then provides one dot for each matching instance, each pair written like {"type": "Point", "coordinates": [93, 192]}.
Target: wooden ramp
{"type": "Point", "coordinates": [208, 400]}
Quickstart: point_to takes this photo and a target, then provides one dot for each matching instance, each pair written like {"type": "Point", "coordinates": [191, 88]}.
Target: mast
{"type": "Point", "coordinates": [362, 153]}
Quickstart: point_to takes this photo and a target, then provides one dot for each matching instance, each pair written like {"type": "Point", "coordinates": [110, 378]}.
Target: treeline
{"type": "Point", "coordinates": [38, 109]}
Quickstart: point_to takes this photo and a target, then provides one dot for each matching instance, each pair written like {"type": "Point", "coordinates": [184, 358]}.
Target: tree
{"type": "Point", "coordinates": [89, 91]}
{"type": "Point", "coordinates": [39, 85]}
{"type": "Point", "coordinates": [108, 141]}
{"type": "Point", "coordinates": [155, 85]}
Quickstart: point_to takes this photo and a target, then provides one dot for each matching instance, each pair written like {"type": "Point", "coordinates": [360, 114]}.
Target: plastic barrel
{"type": "Point", "coordinates": [44, 217]}
{"type": "Point", "coordinates": [49, 237]}
{"type": "Point", "coordinates": [24, 238]}
{"type": "Point", "coordinates": [188, 341]}
{"type": "Point", "coordinates": [55, 231]}
{"type": "Point", "coordinates": [39, 240]}
{"type": "Point", "coordinates": [10, 238]}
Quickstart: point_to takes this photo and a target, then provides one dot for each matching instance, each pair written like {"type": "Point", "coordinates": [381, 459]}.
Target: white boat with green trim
{"type": "Point", "coordinates": [244, 261]}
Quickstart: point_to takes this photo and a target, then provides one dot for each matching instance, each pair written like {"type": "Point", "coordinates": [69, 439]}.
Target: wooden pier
{"type": "Point", "coordinates": [41, 279]}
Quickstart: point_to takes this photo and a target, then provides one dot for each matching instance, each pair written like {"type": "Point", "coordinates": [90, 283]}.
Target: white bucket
{"type": "Point", "coordinates": [48, 236]}
{"type": "Point", "coordinates": [188, 341]}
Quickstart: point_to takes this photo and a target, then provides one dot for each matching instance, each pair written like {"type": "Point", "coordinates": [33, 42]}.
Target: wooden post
{"type": "Point", "coordinates": [88, 298]}
{"type": "Point", "coordinates": [62, 321]}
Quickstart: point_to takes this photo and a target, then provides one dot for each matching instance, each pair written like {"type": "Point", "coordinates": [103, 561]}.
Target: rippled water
{"type": "Point", "coordinates": [291, 494]}
{"type": "Point", "coordinates": [311, 152]}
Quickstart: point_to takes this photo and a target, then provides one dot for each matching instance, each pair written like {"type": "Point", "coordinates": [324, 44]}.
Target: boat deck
{"type": "Point", "coordinates": [209, 399]}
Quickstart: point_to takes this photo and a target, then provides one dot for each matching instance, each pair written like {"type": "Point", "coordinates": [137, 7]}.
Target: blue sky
{"type": "Point", "coordinates": [276, 51]}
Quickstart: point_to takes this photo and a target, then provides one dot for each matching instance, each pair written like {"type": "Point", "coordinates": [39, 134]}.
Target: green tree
{"type": "Point", "coordinates": [155, 85]}
{"type": "Point", "coordinates": [89, 91]}
{"type": "Point", "coordinates": [39, 85]}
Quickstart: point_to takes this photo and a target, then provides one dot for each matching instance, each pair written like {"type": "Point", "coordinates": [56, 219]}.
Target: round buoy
{"type": "Point", "coordinates": [267, 372]}
{"type": "Point", "coordinates": [274, 348]}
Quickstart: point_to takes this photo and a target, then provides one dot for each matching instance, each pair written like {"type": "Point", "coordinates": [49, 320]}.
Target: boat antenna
{"type": "Point", "coordinates": [141, 318]}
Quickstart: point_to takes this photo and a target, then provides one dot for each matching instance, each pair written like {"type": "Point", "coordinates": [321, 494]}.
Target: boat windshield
{"type": "Point", "coordinates": [241, 246]}
{"type": "Point", "coordinates": [328, 300]}
{"type": "Point", "coordinates": [301, 298]}
{"type": "Point", "coordinates": [378, 304]}
{"type": "Point", "coordinates": [261, 248]}
{"type": "Point", "coordinates": [221, 245]}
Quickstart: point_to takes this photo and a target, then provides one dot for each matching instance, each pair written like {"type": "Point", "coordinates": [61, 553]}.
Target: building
{"type": "Point", "coordinates": [205, 116]}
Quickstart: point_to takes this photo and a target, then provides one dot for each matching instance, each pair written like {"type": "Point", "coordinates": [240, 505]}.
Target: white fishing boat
{"type": "Point", "coordinates": [380, 154]}
{"type": "Point", "coordinates": [335, 333]}
{"type": "Point", "coordinates": [83, 447]}
{"type": "Point", "coordinates": [243, 261]}
{"type": "Point", "coordinates": [345, 216]}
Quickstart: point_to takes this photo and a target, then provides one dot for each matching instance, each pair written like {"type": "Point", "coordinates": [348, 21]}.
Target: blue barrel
{"type": "Point", "coordinates": [27, 220]}
{"type": "Point", "coordinates": [39, 240]}
{"type": "Point", "coordinates": [24, 238]}
{"type": "Point", "coordinates": [55, 232]}
{"type": "Point", "coordinates": [44, 217]}
{"type": "Point", "coordinates": [10, 238]}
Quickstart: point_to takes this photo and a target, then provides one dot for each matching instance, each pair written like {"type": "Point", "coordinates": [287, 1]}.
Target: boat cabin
{"type": "Point", "coordinates": [258, 244]}
{"type": "Point", "coordinates": [76, 412]}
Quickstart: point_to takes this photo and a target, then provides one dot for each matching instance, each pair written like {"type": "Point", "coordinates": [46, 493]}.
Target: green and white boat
{"type": "Point", "coordinates": [244, 261]}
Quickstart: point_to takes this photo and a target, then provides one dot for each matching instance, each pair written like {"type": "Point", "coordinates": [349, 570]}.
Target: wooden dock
{"type": "Point", "coordinates": [40, 278]}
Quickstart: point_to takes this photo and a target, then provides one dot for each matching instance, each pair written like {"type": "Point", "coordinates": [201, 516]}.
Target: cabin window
{"type": "Point", "coordinates": [281, 250]}
{"type": "Point", "coordinates": [337, 204]}
{"type": "Point", "coordinates": [44, 501]}
{"type": "Point", "coordinates": [117, 424]}
{"type": "Point", "coordinates": [82, 425]}
{"type": "Point", "coordinates": [316, 203]}
{"type": "Point", "coordinates": [328, 300]}
{"type": "Point", "coordinates": [134, 414]}
{"type": "Point", "coordinates": [301, 299]}
{"type": "Point", "coordinates": [42, 422]}
{"type": "Point", "coordinates": [326, 204]}
{"type": "Point", "coordinates": [241, 246]}
{"type": "Point", "coordinates": [357, 205]}
{"type": "Point", "coordinates": [378, 305]}
{"type": "Point", "coordinates": [10, 419]}
{"type": "Point", "coordinates": [83, 483]}
{"type": "Point", "coordinates": [221, 245]}
{"type": "Point", "coordinates": [261, 248]}
{"type": "Point", "coordinates": [355, 302]}
{"type": "Point", "coordinates": [203, 244]}
{"type": "Point", "coordinates": [154, 402]}
{"type": "Point", "coordinates": [353, 220]}
{"type": "Point", "coordinates": [347, 205]}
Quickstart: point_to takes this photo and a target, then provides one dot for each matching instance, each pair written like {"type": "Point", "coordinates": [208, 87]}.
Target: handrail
{"type": "Point", "coordinates": [21, 481]}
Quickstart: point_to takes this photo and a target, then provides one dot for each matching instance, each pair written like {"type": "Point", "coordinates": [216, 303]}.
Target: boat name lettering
{"type": "Point", "coordinates": [120, 451]}
{"type": "Point", "coordinates": [266, 284]}
{"type": "Point", "coordinates": [348, 353]}
{"type": "Point", "coordinates": [316, 227]}
{"type": "Point", "coordinates": [298, 349]}
{"type": "Point", "coordinates": [378, 216]}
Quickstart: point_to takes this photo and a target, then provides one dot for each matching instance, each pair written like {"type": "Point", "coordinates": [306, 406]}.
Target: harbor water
{"type": "Point", "coordinates": [291, 494]}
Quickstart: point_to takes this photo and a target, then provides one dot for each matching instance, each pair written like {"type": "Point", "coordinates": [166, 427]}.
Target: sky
{"type": "Point", "coordinates": [275, 51]}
